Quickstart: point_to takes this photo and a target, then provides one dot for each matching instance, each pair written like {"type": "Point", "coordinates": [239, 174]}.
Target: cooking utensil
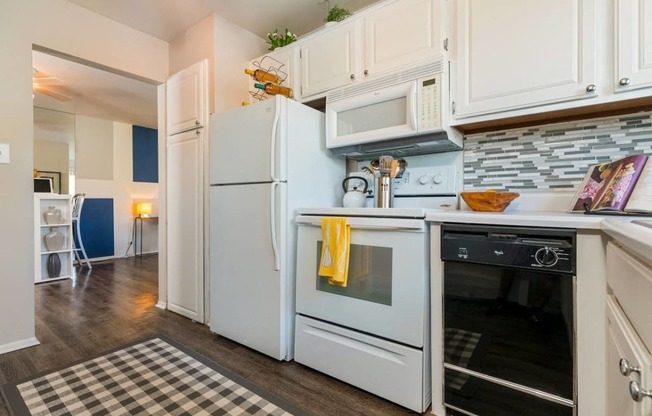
{"type": "Point", "coordinates": [394, 171]}
{"type": "Point", "coordinates": [385, 165]}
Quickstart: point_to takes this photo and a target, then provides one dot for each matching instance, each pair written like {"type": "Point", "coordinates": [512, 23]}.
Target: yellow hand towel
{"type": "Point", "coordinates": [334, 263]}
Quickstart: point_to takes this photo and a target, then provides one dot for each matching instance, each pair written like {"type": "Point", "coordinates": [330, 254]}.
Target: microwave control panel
{"type": "Point", "coordinates": [429, 100]}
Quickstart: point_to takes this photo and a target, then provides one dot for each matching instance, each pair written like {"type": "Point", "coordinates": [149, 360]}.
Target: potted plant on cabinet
{"type": "Point", "coordinates": [277, 40]}
{"type": "Point", "coordinates": [335, 13]}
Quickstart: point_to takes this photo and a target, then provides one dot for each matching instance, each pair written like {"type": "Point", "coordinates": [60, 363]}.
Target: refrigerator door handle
{"type": "Point", "coordinates": [272, 164]}
{"type": "Point", "coordinates": [272, 226]}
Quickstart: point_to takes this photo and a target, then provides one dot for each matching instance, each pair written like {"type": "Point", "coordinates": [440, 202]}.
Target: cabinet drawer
{"type": "Point", "coordinates": [391, 371]}
{"type": "Point", "coordinates": [631, 283]}
{"type": "Point", "coordinates": [623, 342]}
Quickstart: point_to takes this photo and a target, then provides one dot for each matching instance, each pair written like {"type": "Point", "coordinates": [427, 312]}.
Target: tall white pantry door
{"type": "Point", "coordinates": [185, 201]}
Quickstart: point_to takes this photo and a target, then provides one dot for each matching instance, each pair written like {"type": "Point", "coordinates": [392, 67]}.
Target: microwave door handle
{"type": "Point", "coordinates": [412, 107]}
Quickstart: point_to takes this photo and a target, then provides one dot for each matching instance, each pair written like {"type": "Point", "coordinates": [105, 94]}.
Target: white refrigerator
{"type": "Point", "coordinates": [266, 161]}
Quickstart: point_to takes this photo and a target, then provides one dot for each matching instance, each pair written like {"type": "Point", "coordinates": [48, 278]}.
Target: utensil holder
{"type": "Point", "coordinates": [384, 195]}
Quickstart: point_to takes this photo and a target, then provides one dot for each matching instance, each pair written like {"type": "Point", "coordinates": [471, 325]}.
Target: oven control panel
{"type": "Point", "coordinates": [416, 181]}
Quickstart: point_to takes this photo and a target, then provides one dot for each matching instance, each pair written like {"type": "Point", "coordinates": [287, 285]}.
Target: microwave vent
{"type": "Point", "coordinates": [411, 74]}
{"type": "Point", "coordinates": [445, 140]}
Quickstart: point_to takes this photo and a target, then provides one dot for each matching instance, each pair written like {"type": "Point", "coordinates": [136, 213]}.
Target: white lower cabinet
{"type": "Point", "coordinates": [53, 243]}
{"type": "Point", "coordinates": [392, 371]}
{"type": "Point", "coordinates": [629, 338]}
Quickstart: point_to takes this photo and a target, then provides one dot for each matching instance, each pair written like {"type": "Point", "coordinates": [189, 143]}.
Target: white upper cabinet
{"type": "Point", "coordinates": [185, 104]}
{"type": "Point", "coordinates": [518, 54]}
{"type": "Point", "coordinates": [633, 44]}
{"type": "Point", "coordinates": [391, 37]}
{"type": "Point", "coordinates": [328, 61]}
{"type": "Point", "coordinates": [401, 33]}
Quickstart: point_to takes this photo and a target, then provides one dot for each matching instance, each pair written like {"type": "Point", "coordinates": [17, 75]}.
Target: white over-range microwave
{"type": "Point", "coordinates": [400, 114]}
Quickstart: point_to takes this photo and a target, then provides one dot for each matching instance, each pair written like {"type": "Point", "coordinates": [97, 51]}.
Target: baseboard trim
{"type": "Point", "coordinates": [162, 305]}
{"type": "Point", "coordinates": [19, 345]}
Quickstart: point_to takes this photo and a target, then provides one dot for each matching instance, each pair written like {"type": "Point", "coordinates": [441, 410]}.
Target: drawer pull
{"type": "Point", "coordinates": [636, 392]}
{"type": "Point", "coordinates": [626, 369]}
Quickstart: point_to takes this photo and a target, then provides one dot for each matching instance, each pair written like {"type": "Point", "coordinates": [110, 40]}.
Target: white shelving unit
{"type": "Point", "coordinates": [42, 201]}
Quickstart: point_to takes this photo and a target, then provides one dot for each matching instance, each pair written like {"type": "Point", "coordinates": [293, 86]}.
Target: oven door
{"type": "Point", "coordinates": [387, 281]}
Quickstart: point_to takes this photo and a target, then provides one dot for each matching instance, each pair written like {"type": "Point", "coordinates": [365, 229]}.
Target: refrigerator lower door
{"type": "Point", "coordinates": [248, 293]}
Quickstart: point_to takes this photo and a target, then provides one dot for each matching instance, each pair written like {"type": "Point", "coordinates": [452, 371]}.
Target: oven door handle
{"type": "Point", "coordinates": [373, 224]}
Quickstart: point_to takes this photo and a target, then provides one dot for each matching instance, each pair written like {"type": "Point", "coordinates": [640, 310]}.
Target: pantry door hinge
{"type": "Point", "coordinates": [446, 44]}
{"type": "Point", "coordinates": [453, 107]}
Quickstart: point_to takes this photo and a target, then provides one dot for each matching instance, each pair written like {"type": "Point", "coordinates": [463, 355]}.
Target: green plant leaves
{"type": "Point", "coordinates": [276, 40]}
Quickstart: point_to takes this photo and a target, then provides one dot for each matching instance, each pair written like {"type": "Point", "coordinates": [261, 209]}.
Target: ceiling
{"type": "Point", "coordinates": [96, 93]}
{"type": "Point", "coordinates": [99, 94]}
{"type": "Point", "coordinates": [166, 19]}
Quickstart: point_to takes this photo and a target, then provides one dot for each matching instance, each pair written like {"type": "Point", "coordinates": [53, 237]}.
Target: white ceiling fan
{"type": "Point", "coordinates": [39, 82]}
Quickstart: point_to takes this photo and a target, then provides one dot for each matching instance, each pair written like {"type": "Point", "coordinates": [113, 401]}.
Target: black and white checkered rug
{"type": "Point", "coordinates": [153, 377]}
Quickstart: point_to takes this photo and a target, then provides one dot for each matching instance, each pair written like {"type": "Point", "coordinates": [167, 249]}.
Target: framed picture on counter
{"type": "Point", "coordinates": [56, 179]}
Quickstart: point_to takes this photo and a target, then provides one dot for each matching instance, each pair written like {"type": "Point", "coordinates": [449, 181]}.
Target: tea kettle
{"type": "Point", "coordinates": [354, 198]}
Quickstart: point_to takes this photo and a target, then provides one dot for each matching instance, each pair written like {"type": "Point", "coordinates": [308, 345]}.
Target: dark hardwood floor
{"type": "Point", "coordinates": [114, 305]}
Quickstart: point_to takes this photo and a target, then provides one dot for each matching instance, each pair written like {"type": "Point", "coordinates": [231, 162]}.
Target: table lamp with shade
{"type": "Point", "coordinates": [143, 209]}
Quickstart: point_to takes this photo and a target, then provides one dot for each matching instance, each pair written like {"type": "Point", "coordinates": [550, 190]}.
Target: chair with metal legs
{"type": "Point", "coordinates": [77, 203]}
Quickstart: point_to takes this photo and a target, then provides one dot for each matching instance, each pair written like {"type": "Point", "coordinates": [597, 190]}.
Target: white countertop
{"type": "Point", "coordinates": [636, 238]}
{"type": "Point", "coordinates": [520, 218]}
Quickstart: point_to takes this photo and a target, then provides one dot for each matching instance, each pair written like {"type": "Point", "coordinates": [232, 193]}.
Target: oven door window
{"type": "Point", "coordinates": [370, 275]}
{"type": "Point", "coordinates": [387, 288]}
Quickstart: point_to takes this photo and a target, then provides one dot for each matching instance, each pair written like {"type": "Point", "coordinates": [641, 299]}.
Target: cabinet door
{"type": "Point", "coordinates": [517, 54]}
{"type": "Point", "coordinates": [329, 60]}
{"type": "Point", "coordinates": [400, 34]}
{"type": "Point", "coordinates": [185, 225]}
{"type": "Point", "coordinates": [633, 44]}
{"type": "Point", "coordinates": [186, 98]}
{"type": "Point", "coordinates": [623, 342]}
{"type": "Point", "coordinates": [281, 63]}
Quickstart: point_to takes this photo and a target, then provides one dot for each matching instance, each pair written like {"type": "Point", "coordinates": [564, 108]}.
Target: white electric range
{"type": "Point", "coordinates": [375, 332]}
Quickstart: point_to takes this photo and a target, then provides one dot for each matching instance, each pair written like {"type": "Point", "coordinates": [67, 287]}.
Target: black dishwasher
{"type": "Point", "coordinates": [509, 320]}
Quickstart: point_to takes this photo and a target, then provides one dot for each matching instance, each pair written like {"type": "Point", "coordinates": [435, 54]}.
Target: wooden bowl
{"type": "Point", "coordinates": [489, 201]}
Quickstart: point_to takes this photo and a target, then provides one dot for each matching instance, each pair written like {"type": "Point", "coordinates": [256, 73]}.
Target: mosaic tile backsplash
{"type": "Point", "coordinates": [554, 157]}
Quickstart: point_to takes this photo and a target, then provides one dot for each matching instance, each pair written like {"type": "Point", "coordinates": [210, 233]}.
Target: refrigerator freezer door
{"type": "Point", "coordinates": [245, 143]}
{"type": "Point", "coordinates": [249, 298]}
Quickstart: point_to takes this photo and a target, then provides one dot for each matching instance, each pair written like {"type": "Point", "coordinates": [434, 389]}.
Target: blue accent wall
{"type": "Point", "coordinates": [145, 154]}
{"type": "Point", "coordinates": [97, 227]}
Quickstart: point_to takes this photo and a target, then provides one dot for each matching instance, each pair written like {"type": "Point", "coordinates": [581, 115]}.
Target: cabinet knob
{"type": "Point", "coordinates": [366, 72]}
{"type": "Point", "coordinates": [196, 122]}
{"type": "Point", "coordinates": [591, 88]}
{"type": "Point", "coordinates": [626, 369]}
{"type": "Point", "coordinates": [352, 76]}
{"type": "Point", "coordinates": [624, 82]}
{"type": "Point", "coordinates": [637, 393]}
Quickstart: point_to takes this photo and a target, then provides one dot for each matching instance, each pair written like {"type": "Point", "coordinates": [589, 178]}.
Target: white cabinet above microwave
{"type": "Point", "coordinates": [397, 35]}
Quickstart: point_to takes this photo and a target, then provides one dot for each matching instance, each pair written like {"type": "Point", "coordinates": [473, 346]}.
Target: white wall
{"type": "Point", "coordinates": [65, 27]}
{"type": "Point", "coordinates": [93, 148]}
{"type": "Point", "coordinates": [53, 157]}
{"type": "Point", "coordinates": [16, 189]}
{"type": "Point", "coordinates": [121, 188]}
{"type": "Point", "coordinates": [234, 49]}
{"type": "Point", "coordinates": [196, 44]}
